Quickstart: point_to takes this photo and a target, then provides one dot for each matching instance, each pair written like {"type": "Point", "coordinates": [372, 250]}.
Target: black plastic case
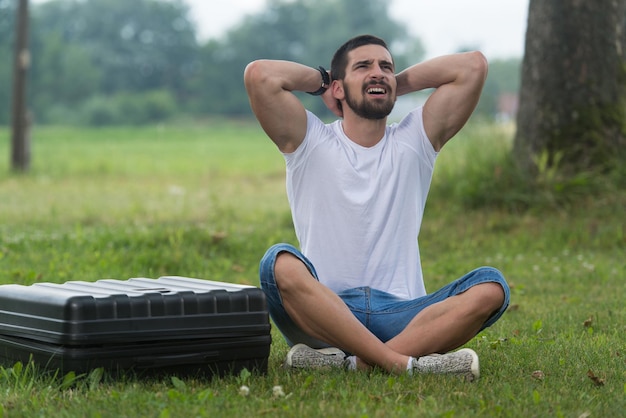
{"type": "Point", "coordinates": [172, 324]}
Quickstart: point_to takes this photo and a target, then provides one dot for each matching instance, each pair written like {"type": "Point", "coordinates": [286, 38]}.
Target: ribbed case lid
{"type": "Point", "coordinates": [137, 309]}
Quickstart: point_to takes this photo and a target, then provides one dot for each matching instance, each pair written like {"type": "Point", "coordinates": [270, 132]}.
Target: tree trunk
{"type": "Point", "coordinates": [20, 145]}
{"type": "Point", "coordinates": [573, 87]}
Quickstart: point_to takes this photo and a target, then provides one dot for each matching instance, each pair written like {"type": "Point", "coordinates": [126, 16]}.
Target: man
{"type": "Point", "coordinates": [354, 295]}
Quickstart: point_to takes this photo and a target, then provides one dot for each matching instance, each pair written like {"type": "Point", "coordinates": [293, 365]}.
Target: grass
{"type": "Point", "coordinates": [206, 200]}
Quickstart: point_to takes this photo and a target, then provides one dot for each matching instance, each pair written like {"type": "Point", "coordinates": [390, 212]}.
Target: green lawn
{"type": "Point", "coordinates": [206, 200]}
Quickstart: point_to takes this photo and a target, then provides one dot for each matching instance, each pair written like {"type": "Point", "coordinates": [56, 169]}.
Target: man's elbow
{"type": "Point", "coordinates": [254, 74]}
{"type": "Point", "coordinates": [478, 65]}
{"type": "Point", "coordinates": [261, 77]}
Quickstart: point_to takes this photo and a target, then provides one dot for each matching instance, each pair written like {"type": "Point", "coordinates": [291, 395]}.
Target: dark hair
{"type": "Point", "coordinates": [340, 59]}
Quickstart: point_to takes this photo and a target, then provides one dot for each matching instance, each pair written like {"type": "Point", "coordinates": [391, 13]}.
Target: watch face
{"type": "Point", "coordinates": [325, 77]}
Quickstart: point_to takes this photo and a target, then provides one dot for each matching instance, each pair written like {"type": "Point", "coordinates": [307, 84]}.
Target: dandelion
{"type": "Point", "coordinates": [278, 392]}
{"type": "Point", "coordinates": [244, 390]}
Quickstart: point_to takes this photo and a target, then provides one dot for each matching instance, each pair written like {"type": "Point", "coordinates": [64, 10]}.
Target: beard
{"type": "Point", "coordinates": [370, 109]}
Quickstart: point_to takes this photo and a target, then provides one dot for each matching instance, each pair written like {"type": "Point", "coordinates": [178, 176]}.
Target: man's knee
{"type": "Point", "coordinates": [287, 270]}
{"type": "Point", "coordinates": [493, 291]}
{"type": "Point", "coordinates": [489, 297]}
{"type": "Point", "coordinates": [284, 262]}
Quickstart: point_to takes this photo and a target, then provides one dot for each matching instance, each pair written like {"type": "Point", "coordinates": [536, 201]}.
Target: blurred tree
{"type": "Point", "coordinates": [502, 83]}
{"type": "Point", "coordinates": [66, 76]}
{"type": "Point", "coordinates": [7, 35]}
{"type": "Point", "coordinates": [138, 45]}
{"type": "Point", "coordinates": [573, 94]}
{"type": "Point", "coordinates": [304, 31]}
{"type": "Point", "coordinates": [88, 47]}
{"type": "Point", "coordinates": [90, 56]}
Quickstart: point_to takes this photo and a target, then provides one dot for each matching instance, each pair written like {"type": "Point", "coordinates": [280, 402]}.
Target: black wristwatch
{"type": "Point", "coordinates": [325, 82]}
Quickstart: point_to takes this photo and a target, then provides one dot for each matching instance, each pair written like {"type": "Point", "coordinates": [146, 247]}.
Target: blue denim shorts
{"type": "Point", "coordinates": [385, 315]}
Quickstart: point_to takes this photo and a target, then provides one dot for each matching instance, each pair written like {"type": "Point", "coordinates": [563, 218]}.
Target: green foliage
{"type": "Point", "coordinates": [118, 109]}
{"type": "Point", "coordinates": [139, 45]}
{"type": "Point", "coordinates": [478, 169]}
{"type": "Point", "coordinates": [302, 31]}
{"type": "Point", "coordinates": [503, 79]}
{"type": "Point", "coordinates": [207, 200]}
{"type": "Point", "coordinates": [106, 54]}
{"type": "Point", "coordinates": [128, 109]}
{"type": "Point", "coordinates": [600, 132]}
{"type": "Point", "coordinates": [65, 74]}
{"type": "Point", "coordinates": [96, 61]}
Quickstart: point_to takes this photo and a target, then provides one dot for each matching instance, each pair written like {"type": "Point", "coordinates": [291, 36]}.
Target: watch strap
{"type": "Point", "coordinates": [325, 82]}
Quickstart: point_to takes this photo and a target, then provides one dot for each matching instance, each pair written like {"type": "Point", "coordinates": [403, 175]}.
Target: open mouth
{"type": "Point", "coordinates": [376, 90]}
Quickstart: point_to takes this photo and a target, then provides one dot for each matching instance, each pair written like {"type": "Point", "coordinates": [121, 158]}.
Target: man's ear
{"type": "Point", "coordinates": [337, 89]}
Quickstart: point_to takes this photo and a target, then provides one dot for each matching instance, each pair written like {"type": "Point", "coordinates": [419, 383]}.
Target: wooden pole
{"type": "Point", "coordinates": [20, 155]}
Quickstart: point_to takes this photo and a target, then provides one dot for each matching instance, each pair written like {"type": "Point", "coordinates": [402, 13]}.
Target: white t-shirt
{"type": "Point", "coordinates": [357, 211]}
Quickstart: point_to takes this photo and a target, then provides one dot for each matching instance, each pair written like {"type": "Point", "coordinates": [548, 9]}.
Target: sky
{"type": "Point", "coordinates": [496, 27]}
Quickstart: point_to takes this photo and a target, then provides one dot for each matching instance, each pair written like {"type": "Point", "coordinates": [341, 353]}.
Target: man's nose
{"type": "Point", "coordinates": [377, 72]}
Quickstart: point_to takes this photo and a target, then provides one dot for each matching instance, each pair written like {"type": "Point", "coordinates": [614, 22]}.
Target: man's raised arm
{"type": "Point", "coordinates": [281, 114]}
{"type": "Point", "coordinates": [458, 80]}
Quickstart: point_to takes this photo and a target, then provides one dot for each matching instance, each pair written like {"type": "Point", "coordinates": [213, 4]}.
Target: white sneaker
{"type": "Point", "coordinates": [302, 356]}
{"type": "Point", "coordinates": [463, 363]}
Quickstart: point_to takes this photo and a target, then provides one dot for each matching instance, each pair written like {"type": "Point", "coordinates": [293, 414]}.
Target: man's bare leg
{"type": "Point", "coordinates": [447, 325]}
{"type": "Point", "coordinates": [319, 312]}
{"type": "Point", "coordinates": [439, 328]}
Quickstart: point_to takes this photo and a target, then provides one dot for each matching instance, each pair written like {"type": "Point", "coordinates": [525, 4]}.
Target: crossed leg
{"type": "Point", "coordinates": [448, 324]}
{"type": "Point", "coordinates": [440, 327]}
{"type": "Point", "coordinates": [319, 312]}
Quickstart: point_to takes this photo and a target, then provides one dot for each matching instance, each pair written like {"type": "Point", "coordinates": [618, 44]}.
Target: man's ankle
{"type": "Point", "coordinates": [361, 365]}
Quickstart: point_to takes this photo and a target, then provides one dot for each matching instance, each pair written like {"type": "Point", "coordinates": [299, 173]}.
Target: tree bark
{"type": "Point", "coordinates": [20, 142]}
{"type": "Point", "coordinates": [573, 87]}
